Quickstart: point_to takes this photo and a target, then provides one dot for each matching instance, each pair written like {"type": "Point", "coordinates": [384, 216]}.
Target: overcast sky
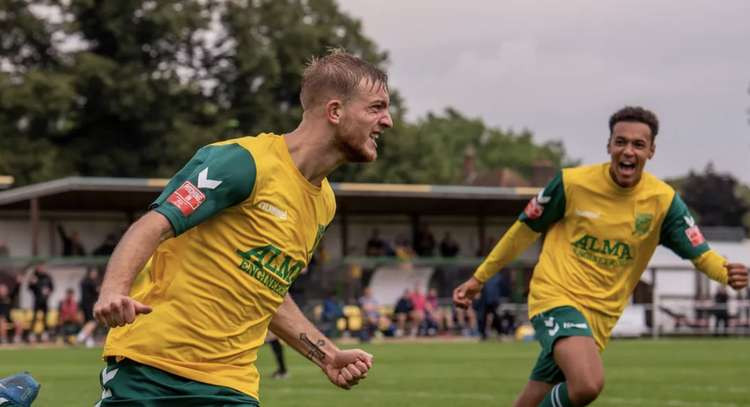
{"type": "Point", "coordinates": [560, 68]}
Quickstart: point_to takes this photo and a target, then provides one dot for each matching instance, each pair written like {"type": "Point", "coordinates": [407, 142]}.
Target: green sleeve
{"type": "Point", "coordinates": [217, 177]}
{"type": "Point", "coordinates": [680, 233]}
{"type": "Point", "coordinates": [546, 208]}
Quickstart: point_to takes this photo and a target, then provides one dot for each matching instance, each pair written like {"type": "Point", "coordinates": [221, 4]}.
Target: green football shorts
{"type": "Point", "coordinates": [549, 326]}
{"type": "Point", "coordinates": [129, 383]}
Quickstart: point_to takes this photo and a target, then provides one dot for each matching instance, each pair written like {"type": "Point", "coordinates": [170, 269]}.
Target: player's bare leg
{"type": "Point", "coordinates": [579, 359]}
{"type": "Point", "coordinates": [532, 394]}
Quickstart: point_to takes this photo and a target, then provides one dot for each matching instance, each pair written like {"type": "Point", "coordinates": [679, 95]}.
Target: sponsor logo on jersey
{"type": "Point", "coordinates": [272, 209]}
{"type": "Point", "coordinates": [187, 198]}
{"type": "Point", "coordinates": [642, 223]}
{"type": "Point", "coordinates": [604, 252]}
{"type": "Point", "coordinates": [535, 207]}
{"type": "Point", "coordinates": [271, 267]}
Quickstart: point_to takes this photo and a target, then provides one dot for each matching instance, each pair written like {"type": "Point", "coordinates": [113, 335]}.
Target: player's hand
{"type": "Point", "coordinates": [118, 310]}
{"type": "Point", "coordinates": [465, 293]}
{"type": "Point", "coordinates": [737, 275]}
{"type": "Point", "coordinates": [348, 367]}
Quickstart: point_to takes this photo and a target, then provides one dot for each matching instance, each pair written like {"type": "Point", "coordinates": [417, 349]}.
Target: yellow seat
{"type": "Point", "coordinates": [355, 322]}
{"type": "Point", "coordinates": [21, 317]}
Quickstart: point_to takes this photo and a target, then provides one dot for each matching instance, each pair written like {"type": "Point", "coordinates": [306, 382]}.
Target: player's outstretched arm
{"type": "Point", "coordinates": [344, 368]}
{"type": "Point", "coordinates": [115, 307]}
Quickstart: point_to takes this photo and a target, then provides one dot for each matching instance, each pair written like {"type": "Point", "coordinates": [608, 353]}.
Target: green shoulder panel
{"type": "Point", "coordinates": [217, 177]}
{"type": "Point", "coordinates": [680, 233]}
{"type": "Point", "coordinates": [547, 207]}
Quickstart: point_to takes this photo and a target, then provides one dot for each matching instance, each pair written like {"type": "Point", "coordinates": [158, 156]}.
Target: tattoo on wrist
{"type": "Point", "coordinates": [313, 348]}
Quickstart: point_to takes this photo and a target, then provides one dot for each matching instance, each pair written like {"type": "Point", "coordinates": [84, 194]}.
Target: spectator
{"type": "Point", "coordinates": [424, 243]}
{"type": "Point", "coordinates": [7, 299]}
{"type": "Point", "coordinates": [721, 311]}
{"type": "Point", "coordinates": [487, 305]}
{"type": "Point", "coordinates": [71, 243]}
{"type": "Point", "coordinates": [419, 304]}
{"type": "Point", "coordinates": [376, 246]}
{"type": "Point", "coordinates": [370, 310]}
{"type": "Point", "coordinates": [69, 315]}
{"type": "Point", "coordinates": [332, 311]}
{"type": "Point", "coordinates": [402, 249]}
{"type": "Point", "coordinates": [434, 317]}
{"type": "Point", "coordinates": [465, 320]}
{"type": "Point", "coordinates": [107, 246]}
{"type": "Point", "coordinates": [278, 353]}
{"type": "Point", "coordinates": [448, 246]}
{"type": "Point", "coordinates": [89, 293]}
{"type": "Point", "coordinates": [402, 312]}
{"type": "Point", "coordinates": [41, 287]}
{"type": "Point", "coordinates": [4, 252]}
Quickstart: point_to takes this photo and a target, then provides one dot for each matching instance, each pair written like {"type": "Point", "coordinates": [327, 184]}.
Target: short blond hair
{"type": "Point", "coordinates": [337, 74]}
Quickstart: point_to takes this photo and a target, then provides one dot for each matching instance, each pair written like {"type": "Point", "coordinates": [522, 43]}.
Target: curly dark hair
{"type": "Point", "coordinates": [635, 114]}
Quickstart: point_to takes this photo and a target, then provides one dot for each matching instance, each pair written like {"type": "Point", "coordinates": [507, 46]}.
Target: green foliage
{"type": "Point", "coordinates": [716, 199]}
{"type": "Point", "coordinates": [432, 150]}
{"type": "Point", "coordinates": [132, 87]}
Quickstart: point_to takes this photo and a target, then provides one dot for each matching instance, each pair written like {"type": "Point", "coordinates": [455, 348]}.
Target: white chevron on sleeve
{"type": "Point", "coordinates": [204, 182]}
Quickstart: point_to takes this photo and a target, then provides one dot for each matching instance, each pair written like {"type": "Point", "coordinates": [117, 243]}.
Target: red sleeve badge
{"type": "Point", "coordinates": [187, 198]}
{"type": "Point", "coordinates": [695, 236]}
{"type": "Point", "coordinates": [533, 209]}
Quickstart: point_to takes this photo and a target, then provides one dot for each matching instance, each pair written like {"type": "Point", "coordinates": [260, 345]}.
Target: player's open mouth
{"type": "Point", "coordinates": [626, 167]}
{"type": "Point", "coordinates": [374, 136]}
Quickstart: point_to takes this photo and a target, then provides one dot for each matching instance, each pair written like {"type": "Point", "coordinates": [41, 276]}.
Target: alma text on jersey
{"type": "Point", "coordinates": [269, 265]}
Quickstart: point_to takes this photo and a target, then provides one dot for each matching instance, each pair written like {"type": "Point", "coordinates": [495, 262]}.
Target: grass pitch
{"type": "Point", "coordinates": [676, 373]}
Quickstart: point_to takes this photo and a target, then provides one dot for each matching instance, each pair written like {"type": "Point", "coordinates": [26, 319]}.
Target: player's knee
{"type": "Point", "coordinates": [585, 391]}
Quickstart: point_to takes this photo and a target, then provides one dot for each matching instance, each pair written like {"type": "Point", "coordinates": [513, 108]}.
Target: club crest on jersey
{"type": "Point", "coordinates": [642, 223]}
{"type": "Point", "coordinates": [693, 233]}
{"type": "Point", "coordinates": [187, 198]}
{"type": "Point", "coordinates": [535, 207]}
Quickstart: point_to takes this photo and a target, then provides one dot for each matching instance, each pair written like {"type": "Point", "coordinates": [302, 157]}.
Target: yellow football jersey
{"type": "Point", "coordinates": [246, 223]}
{"type": "Point", "coordinates": [599, 240]}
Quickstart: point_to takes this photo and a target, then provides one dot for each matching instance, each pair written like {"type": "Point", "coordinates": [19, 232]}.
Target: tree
{"type": "Point", "coordinates": [431, 151]}
{"type": "Point", "coordinates": [717, 199]}
{"type": "Point", "coordinates": [132, 87]}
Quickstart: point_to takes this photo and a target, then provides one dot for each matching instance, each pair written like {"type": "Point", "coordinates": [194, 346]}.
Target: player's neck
{"type": "Point", "coordinates": [311, 152]}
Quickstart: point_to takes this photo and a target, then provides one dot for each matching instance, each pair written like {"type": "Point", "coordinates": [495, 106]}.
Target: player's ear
{"type": "Point", "coordinates": [609, 142]}
{"type": "Point", "coordinates": [334, 111]}
{"type": "Point", "coordinates": [651, 150]}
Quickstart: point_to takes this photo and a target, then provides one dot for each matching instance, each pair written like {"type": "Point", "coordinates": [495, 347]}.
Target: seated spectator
{"type": "Point", "coordinates": [419, 304]}
{"type": "Point", "coordinates": [69, 315]}
{"type": "Point", "coordinates": [465, 321]}
{"type": "Point", "coordinates": [7, 299]}
{"type": "Point", "coordinates": [72, 245]}
{"type": "Point", "coordinates": [402, 312]}
{"type": "Point", "coordinates": [332, 311]}
{"type": "Point", "coordinates": [721, 311]}
{"type": "Point", "coordinates": [434, 315]}
{"type": "Point", "coordinates": [370, 312]}
{"type": "Point", "coordinates": [424, 243]}
{"type": "Point", "coordinates": [449, 246]}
